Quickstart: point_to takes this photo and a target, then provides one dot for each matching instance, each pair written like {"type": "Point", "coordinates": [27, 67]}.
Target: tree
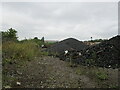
{"type": "Point", "coordinates": [36, 38]}
{"type": "Point", "coordinates": [42, 39]}
{"type": "Point", "coordinates": [9, 35]}
{"type": "Point", "coordinates": [91, 38]}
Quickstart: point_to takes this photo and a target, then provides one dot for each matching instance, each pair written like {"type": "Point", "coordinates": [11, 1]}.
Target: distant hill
{"type": "Point", "coordinates": [51, 41]}
{"type": "Point", "coordinates": [66, 45]}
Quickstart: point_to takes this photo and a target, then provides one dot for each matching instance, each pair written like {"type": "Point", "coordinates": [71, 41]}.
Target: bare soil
{"type": "Point", "coordinates": [50, 72]}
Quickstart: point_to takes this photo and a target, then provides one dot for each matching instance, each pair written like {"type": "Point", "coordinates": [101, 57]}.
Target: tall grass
{"type": "Point", "coordinates": [17, 52]}
{"type": "Point", "coordinates": [15, 55]}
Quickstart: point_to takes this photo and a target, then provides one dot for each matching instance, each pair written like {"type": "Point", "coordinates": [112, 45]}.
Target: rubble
{"type": "Point", "coordinates": [18, 83]}
{"type": "Point", "coordinates": [7, 86]}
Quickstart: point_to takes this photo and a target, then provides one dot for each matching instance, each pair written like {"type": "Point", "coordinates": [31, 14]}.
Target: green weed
{"type": "Point", "coordinates": [78, 71]}
{"type": "Point", "coordinates": [101, 75]}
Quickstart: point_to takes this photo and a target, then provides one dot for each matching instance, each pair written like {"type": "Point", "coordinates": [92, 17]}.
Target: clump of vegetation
{"type": "Point", "coordinates": [44, 53]}
{"type": "Point", "coordinates": [78, 71]}
{"type": "Point", "coordinates": [89, 62]}
{"type": "Point", "coordinates": [71, 63]}
{"type": "Point", "coordinates": [101, 75]}
{"type": "Point", "coordinates": [97, 40]}
{"type": "Point", "coordinates": [35, 40]}
{"type": "Point", "coordinates": [16, 52]}
{"type": "Point", "coordinates": [49, 43]}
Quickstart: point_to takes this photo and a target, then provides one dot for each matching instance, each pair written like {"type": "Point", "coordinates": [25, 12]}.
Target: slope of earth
{"type": "Point", "coordinates": [49, 72]}
{"type": "Point", "coordinates": [67, 44]}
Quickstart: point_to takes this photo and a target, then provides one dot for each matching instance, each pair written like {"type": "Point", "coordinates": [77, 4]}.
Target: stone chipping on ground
{"type": "Point", "coordinates": [49, 72]}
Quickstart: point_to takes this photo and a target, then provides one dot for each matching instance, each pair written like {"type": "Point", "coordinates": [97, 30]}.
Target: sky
{"type": "Point", "coordinates": [61, 20]}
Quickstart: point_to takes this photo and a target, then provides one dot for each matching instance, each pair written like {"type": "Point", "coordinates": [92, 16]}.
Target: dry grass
{"type": "Point", "coordinates": [17, 52]}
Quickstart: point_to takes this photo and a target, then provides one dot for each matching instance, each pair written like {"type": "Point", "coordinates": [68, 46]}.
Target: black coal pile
{"type": "Point", "coordinates": [105, 54]}
{"type": "Point", "coordinates": [67, 44]}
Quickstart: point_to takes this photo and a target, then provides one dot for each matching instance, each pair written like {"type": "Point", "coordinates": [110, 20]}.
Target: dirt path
{"type": "Point", "coordinates": [48, 72]}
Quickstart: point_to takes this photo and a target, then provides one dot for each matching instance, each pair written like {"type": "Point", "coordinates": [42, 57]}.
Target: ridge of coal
{"type": "Point", "coordinates": [67, 44]}
{"type": "Point", "coordinates": [115, 41]}
{"type": "Point", "coordinates": [105, 54]}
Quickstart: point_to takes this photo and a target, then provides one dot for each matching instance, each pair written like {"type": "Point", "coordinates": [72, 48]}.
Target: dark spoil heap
{"type": "Point", "coordinates": [106, 54]}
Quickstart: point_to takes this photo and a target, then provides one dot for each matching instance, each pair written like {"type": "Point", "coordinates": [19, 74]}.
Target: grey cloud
{"type": "Point", "coordinates": [61, 20]}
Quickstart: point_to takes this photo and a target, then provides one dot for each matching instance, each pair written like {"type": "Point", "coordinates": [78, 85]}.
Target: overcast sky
{"type": "Point", "coordinates": [57, 21]}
